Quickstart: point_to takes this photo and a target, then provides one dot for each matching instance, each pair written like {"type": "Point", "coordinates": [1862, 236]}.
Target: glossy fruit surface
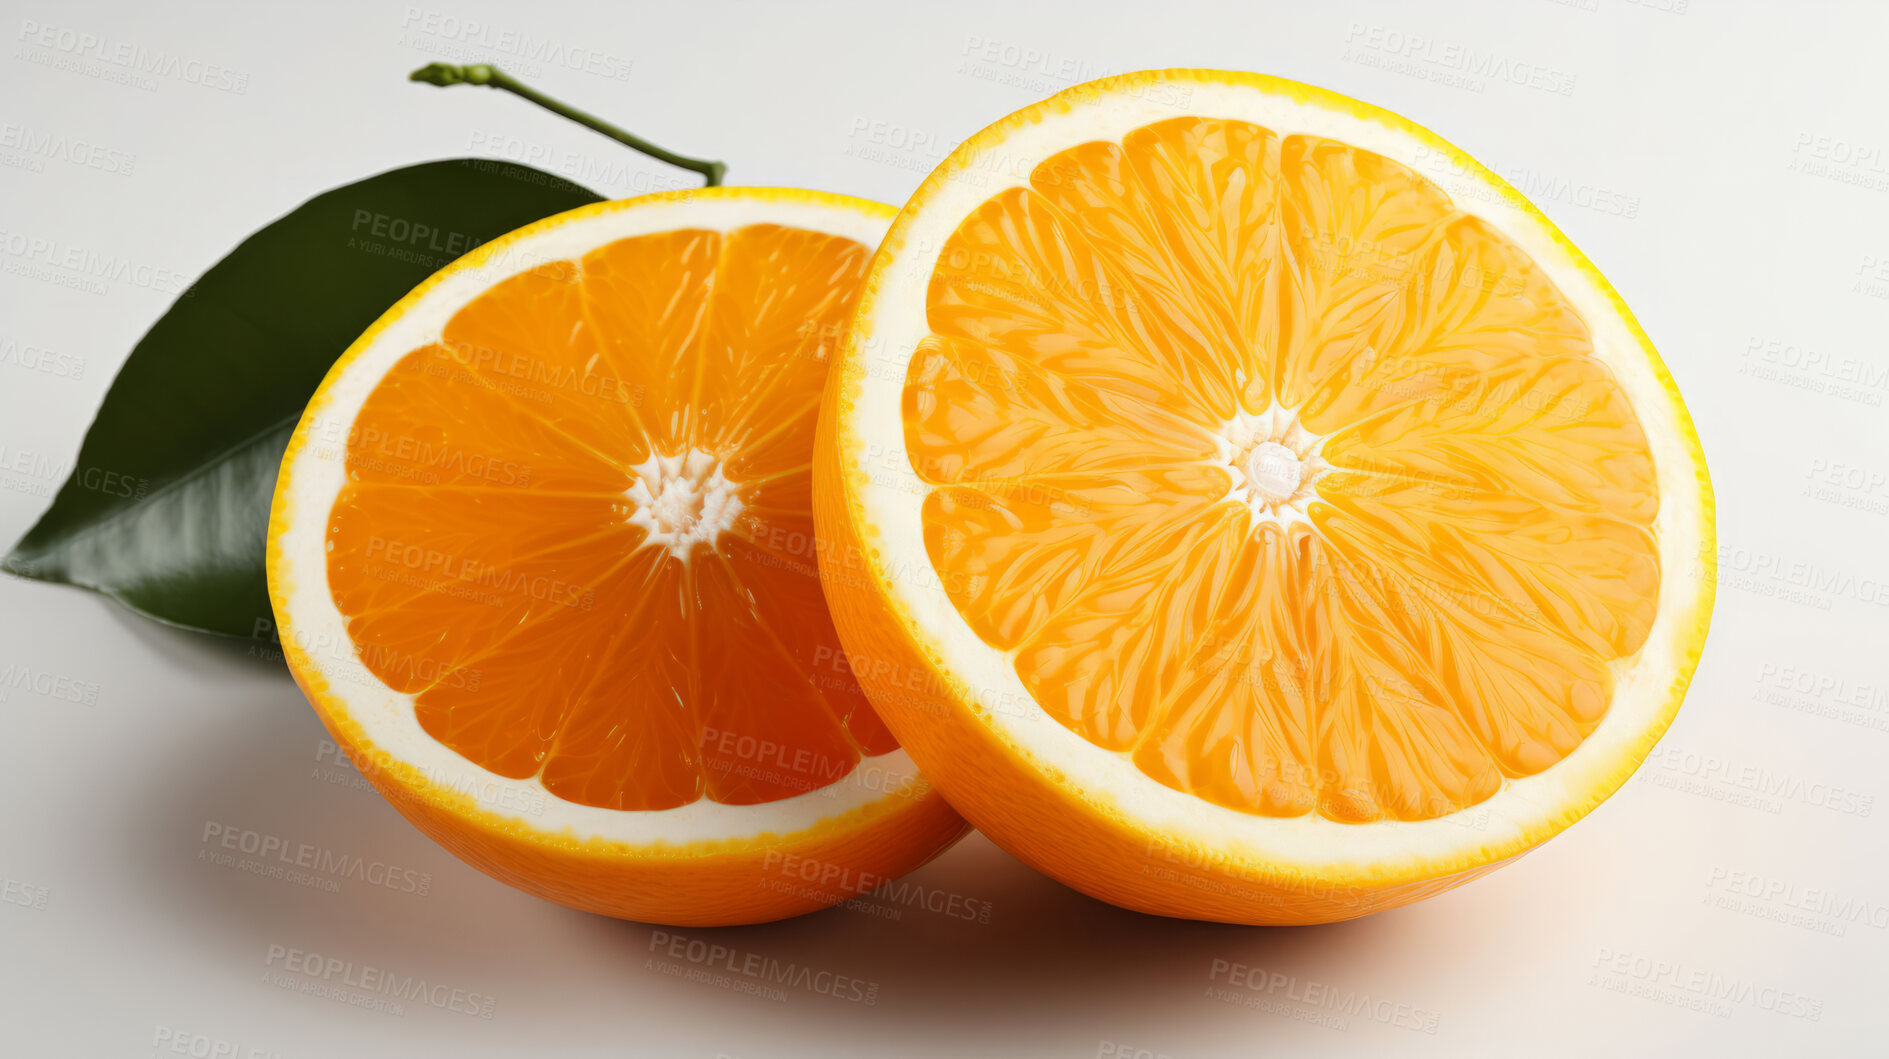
{"type": "Point", "coordinates": [1281, 537]}
{"type": "Point", "coordinates": [543, 559]}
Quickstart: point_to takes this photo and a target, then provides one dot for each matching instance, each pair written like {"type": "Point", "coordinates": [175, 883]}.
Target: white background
{"type": "Point", "coordinates": [1725, 164]}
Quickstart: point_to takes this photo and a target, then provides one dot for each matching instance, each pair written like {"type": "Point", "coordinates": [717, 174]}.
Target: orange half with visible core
{"type": "Point", "coordinates": [543, 558]}
{"type": "Point", "coordinates": [1297, 538]}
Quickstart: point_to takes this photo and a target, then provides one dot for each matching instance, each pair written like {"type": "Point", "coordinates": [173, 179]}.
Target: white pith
{"type": "Point", "coordinates": [1275, 465]}
{"type": "Point", "coordinates": [892, 497]}
{"type": "Point", "coordinates": [314, 629]}
{"type": "Point", "coordinates": [682, 500]}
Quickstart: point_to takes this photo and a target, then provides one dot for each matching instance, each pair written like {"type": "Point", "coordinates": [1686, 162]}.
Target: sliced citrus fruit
{"type": "Point", "coordinates": [542, 557]}
{"type": "Point", "coordinates": [1234, 524]}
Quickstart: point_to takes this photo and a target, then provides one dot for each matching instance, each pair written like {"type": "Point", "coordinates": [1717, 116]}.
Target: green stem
{"type": "Point", "coordinates": [443, 74]}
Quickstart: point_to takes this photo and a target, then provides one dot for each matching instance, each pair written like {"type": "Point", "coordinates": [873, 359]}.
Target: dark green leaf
{"type": "Point", "coordinates": [168, 502]}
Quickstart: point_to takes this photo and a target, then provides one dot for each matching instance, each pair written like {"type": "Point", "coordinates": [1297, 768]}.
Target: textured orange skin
{"type": "Point", "coordinates": [708, 883]}
{"type": "Point", "coordinates": [704, 884]}
{"type": "Point", "coordinates": [1021, 809]}
{"type": "Point", "coordinates": [1022, 805]}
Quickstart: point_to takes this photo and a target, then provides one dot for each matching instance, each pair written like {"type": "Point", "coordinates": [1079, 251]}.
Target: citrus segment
{"type": "Point", "coordinates": [618, 647]}
{"type": "Point", "coordinates": [1428, 640]}
{"type": "Point", "coordinates": [1276, 476]}
{"type": "Point", "coordinates": [576, 488]}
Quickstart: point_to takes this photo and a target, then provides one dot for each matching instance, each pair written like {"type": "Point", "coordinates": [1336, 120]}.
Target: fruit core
{"type": "Point", "coordinates": [1274, 464]}
{"type": "Point", "coordinates": [682, 501]}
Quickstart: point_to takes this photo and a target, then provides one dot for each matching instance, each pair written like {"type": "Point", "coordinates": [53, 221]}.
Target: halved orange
{"type": "Point", "coordinates": [542, 557]}
{"type": "Point", "coordinates": [1275, 537]}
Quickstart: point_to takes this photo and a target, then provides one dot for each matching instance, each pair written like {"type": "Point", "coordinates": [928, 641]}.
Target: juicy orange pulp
{"type": "Point", "coordinates": [578, 528]}
{"type": "Point", "coordinates": [1275, 473]}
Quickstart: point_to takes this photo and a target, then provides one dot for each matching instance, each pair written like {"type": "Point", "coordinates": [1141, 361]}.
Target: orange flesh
{"type": "Point", "coordinates": [1438, 602]}
{"type": "Point", "coordinates": [495, 558]}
